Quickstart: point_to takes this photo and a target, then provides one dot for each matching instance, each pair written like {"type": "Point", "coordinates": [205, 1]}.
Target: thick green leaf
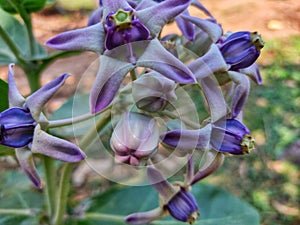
{"type": "Point", "coordinates": [18, 34]}
{"type": "Point", "coordinates": [17, 197]}
{"type": "Point", "coordinates": [3, 95]}
{"type": "Point", "coordinates": [28, 5]}
{"type": "Point", "coordinates": [216, 206]}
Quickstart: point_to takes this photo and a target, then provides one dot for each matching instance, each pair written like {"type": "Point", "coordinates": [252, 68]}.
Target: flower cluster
{"type": "Point", "coordinates": [126, 34]}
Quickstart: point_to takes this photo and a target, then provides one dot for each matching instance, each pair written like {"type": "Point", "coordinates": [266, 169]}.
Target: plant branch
{"type": "Point", "coordinates": [50, 178]}
{"type": "Point", "coordinates": [12, 46]}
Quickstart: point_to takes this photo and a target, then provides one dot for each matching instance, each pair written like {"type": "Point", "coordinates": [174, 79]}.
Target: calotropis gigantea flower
{"type": "Point", "coordinates": [23, 125]}
{"type": "Point", "coordinates": [152, 92]}
{"type": "Point", "coordinates": [135, 139]}
{"type": "Point", "coordinates": [114, 66]}
{"type": "Point", "coordinates": [176, 198]}
{"type": "Point", "coordinates": [226, 136]}
{"type": "Point", "coordinates": [120, 24]}
{"type": "Point", "coordinates": [241, 49]}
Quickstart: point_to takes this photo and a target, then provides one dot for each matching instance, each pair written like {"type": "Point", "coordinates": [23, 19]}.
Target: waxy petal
{"type": "Point", "coordinates": [107, 82]}
{"type": "Point", "coordinates": [164, 188]}
{"type": "Point", "coordinates": [26, 162]}
{"type": "Point", "coordinates": [214, 97]}
{"type": "Point", "coordinates": [216, 162]}
{"type": "Point", "coordinates": [188, 140]}
{"type": "Point", "coordinates": [56, 148]}
{"type": "Point", "coordinates": [241, 92]}
{"type": "Point", "coordinates": [15, 98]}
{"type": "Point", "coordinates": [144, 217]}
{"type": "Point", "coordinates": [38, 99]}
{"type": "Point", "coordinates": [187, 28]}
{"type": "Point", "coordinates": [95, 17]}
{"type": "Point", "coordinates": [253, 72]}
{"type": "Point", "coordinates": [87, 39]}
{"type": "Point", "coordinates": [210, 63]}
{"type": "Point", "coordinates": [213, 29]}
{"type": "Point", "coordinates": [156, 16]}
{"type": "Point", "coordinates": [159, 59]}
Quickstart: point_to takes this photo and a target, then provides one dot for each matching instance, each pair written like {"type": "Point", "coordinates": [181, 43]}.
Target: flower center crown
{"type": "Point", "coordinates": [122, 19]}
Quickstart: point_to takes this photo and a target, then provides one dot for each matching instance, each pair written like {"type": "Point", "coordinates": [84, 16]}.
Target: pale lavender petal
{"type": "Point", "coordinates": [155, 17]}
{"type": "Point", "coordinates": [164, 188]}
{"type": "Point", "coordinates": [253, 72]}
{"type": "Point", "coordinates": [212, 167]}
{"type": "Point", "coordinates": [213, 29]}
{"type": "Point", "coordinates": [187, 28]}
{"type": "Point", "coordinates": [54, 147]}
{"type": "Point", "coordinates": [38, 99]}
{"type": "Point", "coordinates": [241, 92]}
{"type": "Point", "coordinates": [189, 170]}
{"type": "Point", "coordinates": [210, 63]}
{"type": "Point", "coordinates": [107, 82]}
{"type": "Point", "coordinates": [214, 97]}
{"type": "Point", "coordinates": [26, 162]}
{"type": "Point", "coordinates": [159, 59]}
{"type": "Point", "coordinates": [199, 5]}
{"type": "Point", "coordinates": [87, 39]}
{"type": "Point", "coordinates": [145, 4]}
{"type": "Point", "coordinates": [188, 140]}
{"type": "Point", "coordinates": [144, 217]}
{"type": "Point", "coordinates": [15, 98]}
{"type": "Point", "coordinates": [95, 17]}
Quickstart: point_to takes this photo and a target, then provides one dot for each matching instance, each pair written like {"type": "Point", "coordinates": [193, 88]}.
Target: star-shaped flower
{"type": "Point", "coordinates": [23, 127]}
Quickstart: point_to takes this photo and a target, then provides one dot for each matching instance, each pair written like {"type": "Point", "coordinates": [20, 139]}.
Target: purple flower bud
{"type": "Point", "coordinates": [152, 92]}
{"type": "Point", "coordinates": [241, 49]}
{"type": "Point", "coordinates": [17, 127]}
{"type": "Point", "coordinates": [236, 138]}
{"type": "Point", "coordinates": [183, 207]}
{"type": "Point", "coordinates": [123, 27]}
{"type": "Point", "coordinates": [135, 139]}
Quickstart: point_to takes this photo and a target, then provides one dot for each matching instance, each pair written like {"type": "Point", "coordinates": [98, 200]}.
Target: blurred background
{"type": "Point", "coordinates": [268, 178]}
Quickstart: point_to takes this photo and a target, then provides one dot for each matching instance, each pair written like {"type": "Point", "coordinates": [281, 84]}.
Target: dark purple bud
{"type": "Point", "coordinates": [183, 207]}
{"type": "Point", "coordinates": [17, 127]}
{"type": "Point", "coordinates": [236, 138]}
{"type": "Point", "coordinates": [123, 27]}
{"type": "Point", "coordinates": [241, 49]}
{"type": "Point", "coordinates": [135, 139]}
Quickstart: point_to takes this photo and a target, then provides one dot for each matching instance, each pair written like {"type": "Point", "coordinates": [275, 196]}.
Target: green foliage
{"type": "Point", "coordinates": [3, 95]}
{"type": "Point", "coordinates": [18, 203]}
{"type": "Point", "coordinates": [18, 34]}
{"type": "Point", "coordinates": [216, 206]}
{"type": "Point", "coordinates": [28, 5]}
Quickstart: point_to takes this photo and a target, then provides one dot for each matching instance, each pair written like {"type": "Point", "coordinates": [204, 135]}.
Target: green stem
{"type": "Point", "coordinates": [69, 121]}
{"type": "Point", "coordinates": [28, 23]}
{"type": "Point", "coordinates": [109, 217]}
{"type": "Point", "coordinates": [65, 179]}
{"type": "Point", "coordinates": [100, 124]}
{"type": "Point", "coordinates": [63, 191]}
{"type": "Point", "coordinates": [50, 179]}
{"type": "Point", "coordinates": [187, 122]}
{"type": "Point", "coordinates": [33, 79]}
{"type": "Point", "coordinates": [12, 46]}
{"type": "Point", "coordinates": [25, 212]}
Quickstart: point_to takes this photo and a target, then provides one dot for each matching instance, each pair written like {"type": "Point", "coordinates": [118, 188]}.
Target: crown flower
{"type": "Point", "coordinates": [23, 128]}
